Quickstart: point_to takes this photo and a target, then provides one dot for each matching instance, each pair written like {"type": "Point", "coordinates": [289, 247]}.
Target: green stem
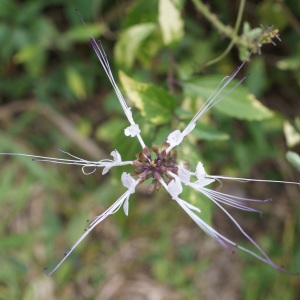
{"type": "Point", "coordinates": [213, 19]}
{"type": "Point", "coordinates": [234, 35]}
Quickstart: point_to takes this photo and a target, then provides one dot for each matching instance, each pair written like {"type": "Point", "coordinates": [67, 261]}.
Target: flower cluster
{"type": "Point", "coordinates": [165, 171]}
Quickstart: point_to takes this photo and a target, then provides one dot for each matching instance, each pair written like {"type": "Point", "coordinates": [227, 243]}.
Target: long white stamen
{"type": "Point", "coordinates": [222, 239]}
{"type": "Point", "coordinates": [230, 200]}
{"type": "Point", "coordinates": [133, 130]}
{"type": "Point", "coordinates": [106, 164]}
{"type": "Point", "coordinates": [216, 96]}
{"type": "Point", "coordinates": [250, 179]}
{"type": "Point", "coordinates": [212, 232]}
{"type": "Point", "coordinates": [129, 183]}
{"type": "Point", "coordinates": [174, 188]}
{"type": "Point", "coordinates": [114, 208]}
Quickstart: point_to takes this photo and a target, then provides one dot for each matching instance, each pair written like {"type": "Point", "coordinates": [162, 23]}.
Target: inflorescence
{"type": "Point", "coordinates": [165, 171]}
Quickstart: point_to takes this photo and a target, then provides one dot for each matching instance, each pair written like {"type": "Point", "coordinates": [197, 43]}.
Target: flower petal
{"type": "Point", "coordinates": [132, 130]}
{"type": "Point", "coordinates": [204, 182]}
{"type": "Point", "coordinates": [129, 182]}
{"type": "Point", "coordinates": [175, 188]}
{"type": "Point", "coordinates": [184, 174]}
{"type": "Point", "coordinates": [116, 155]}
{"type": "Point", "coordinates": [174, 138]}
{"type": "Point", "coordinates": [200, 172]}
{"type": "Point", "coordinates": [126, 206]}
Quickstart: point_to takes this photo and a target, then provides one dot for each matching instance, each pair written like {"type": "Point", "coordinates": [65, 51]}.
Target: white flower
{"type": "Point", "coordinates": [200, 172]}
{"type": "Point", "coordinates": [184, 174]}
{"type": "Point", "coordinates": [175, 138]}
{"type": "Point", "coordinates": [165, 172]}
{"type": "Point", "coordinates": [132, 130]}
{"type": "Point", "coordinates": [175, 188]}
{"type": "Point", "coordinates": [116, 162]}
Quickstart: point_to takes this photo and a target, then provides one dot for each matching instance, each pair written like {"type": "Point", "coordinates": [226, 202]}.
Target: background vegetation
{"type": "Point", "coordinates": [54, 93]}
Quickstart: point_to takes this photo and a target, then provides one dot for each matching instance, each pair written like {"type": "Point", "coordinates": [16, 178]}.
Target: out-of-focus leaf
{"type": "Point", "coordinates": [44, 173]}
{"type": "Point", "coordinates": [294, 159]}
{"type": "Point", "coordinates": [140, 12]}
{"type": "Point", "coordinates": [8, 8]}
{"type": "Point", "coordinates": [257, 80]}
{"type": "Point", "coordinates": [14, 241]}
{"type": "Point", "coordinates": [170, 22]}
{"type": "Point", "coordinates": [111, 129]}
{"type": "Point", "coordinates": [291, 63]}
{"type": "Point", "coordinates": [203, 132]}
{"type": "Point", "coordinates": [33, 56]}
{"type": "Point", "coordinates": [291, 134]}
{"type": "Point", "coordinates": [76, 83]}
{"type": "Point", "coordinates": [130, 42]}
{"type": "Point", "coordinates": [45, 33]}
{"type": "Point", "coordinates": [161, 135]}
{"type": "Point", "coordinates": [85, 127]}
{"type": "Point", "coordinates": [79, 33]}
{"type": "Point", "coordinates": [297, 123]}
{"type": "Point", "coordinates": [239, 103]}
{"type": "Point", "coordinates": [155, 104]}
{"type": "Point", "coordinates": [150, 48]}
{"type": "Point", "coordinates": [270, 12]}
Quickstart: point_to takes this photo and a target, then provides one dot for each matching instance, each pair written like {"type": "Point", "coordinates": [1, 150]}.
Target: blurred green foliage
{"type": "Point", "coordinates": [54, 92]}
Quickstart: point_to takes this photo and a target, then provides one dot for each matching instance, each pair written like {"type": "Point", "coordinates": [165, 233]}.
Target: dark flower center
{"type": "Point", "coordinates": [157, 168]}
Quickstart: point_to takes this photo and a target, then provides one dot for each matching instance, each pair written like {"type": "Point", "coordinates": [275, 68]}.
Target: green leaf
{"type": "Point", "coordinates": [129, 43]}
{"type": "Point", "coordinates": [291, 135]}
{"type": "Point", "coordinates": [139, 12]}
{"type": "Point", "coordinates": [79, 33]}
{"type": "Point", "coordinates": [294, 159]}
{"type": "Point", "coordinates": [14, 241]}
{"type": "Point", "coordinates": [269, 13]}
{"type": "Point", "coordinates": [76, 83]}
{"type": "Point", "coordinates": [239, 103]}
{"type": "Point", "coordinates": [33, 56]}
{"type": "Point", "coordinates": [155, 104]}
{"type": "Point", "coordinates": [290, 63]}
{"type": "Point", "coordinates": [257, 82]}
{"type": "Point", "coordinates": [170, 22]}
{"type": "Point", "coordinates": [203, 132]}
{"type": "Point", "coordinates": [111, 129]}
{"type": "Point", "coordinates": [161, 135]}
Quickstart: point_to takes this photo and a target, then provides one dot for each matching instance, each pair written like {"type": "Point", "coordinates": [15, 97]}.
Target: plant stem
{"type": "Point", "coordinates": [213, 19]}
{"type": "Point", "coordinates": [233, 37]}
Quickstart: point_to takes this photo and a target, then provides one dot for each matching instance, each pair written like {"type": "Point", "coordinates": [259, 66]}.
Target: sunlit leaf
{"type": "Point", "coordinates": [294, 159]}
{"type": "Point", "coordinates": [76, 83]}
{"type": "Point", "coordinates": [239, 103]}
{"type": "Point", "coordinates": [290, 63]}
{"type": "Point", "coordinates": [170, 22]}
{"type": "Point", "coordinates": [291, 134]}
{"type": "Point", "coordinates": [130, 42]}
{"type": "Point", "coordinates": [33, 56]}
{"type": "Point", "coordinates": [154, 103]}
